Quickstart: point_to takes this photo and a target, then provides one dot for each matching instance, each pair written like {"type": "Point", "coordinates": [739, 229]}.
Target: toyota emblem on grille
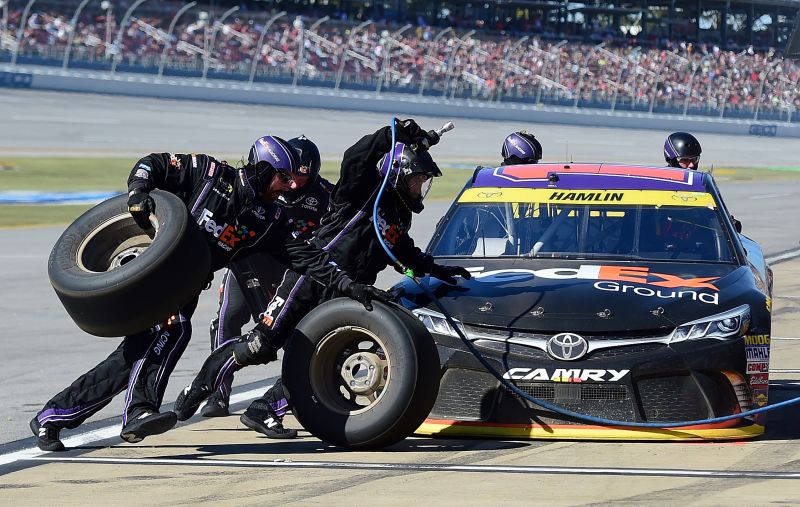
{"type": "Point", "coordinates": [567, 346]}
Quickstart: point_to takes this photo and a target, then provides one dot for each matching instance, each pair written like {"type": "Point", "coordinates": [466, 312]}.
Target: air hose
{"type": "Point", "coordinates": [509, 385]}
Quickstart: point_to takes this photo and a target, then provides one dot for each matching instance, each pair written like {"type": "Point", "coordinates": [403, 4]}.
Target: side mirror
{"type": "Point", "coordinates": [737, 225]}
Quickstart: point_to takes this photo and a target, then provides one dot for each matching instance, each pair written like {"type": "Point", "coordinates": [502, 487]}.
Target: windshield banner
{"type": "Point", "coordinates": [604, 197]}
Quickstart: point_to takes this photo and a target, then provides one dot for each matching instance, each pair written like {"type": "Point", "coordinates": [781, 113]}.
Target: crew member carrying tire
{"type": "Point", "coordinates": [304, 207]}
{"type": "Point", "coordinates": [347, 240]}
{"type": "Point", "coordinates": [236, 212]}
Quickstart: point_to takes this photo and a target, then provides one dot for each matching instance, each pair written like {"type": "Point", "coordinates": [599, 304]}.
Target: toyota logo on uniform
{"type": "Point", "coordinates": [311, 201]}
{"type": "Point", "coordinates": [567, 346]}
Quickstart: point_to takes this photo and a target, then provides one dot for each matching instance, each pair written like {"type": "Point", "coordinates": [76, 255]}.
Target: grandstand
{"type": "Point", "coordinates": [699, 57]}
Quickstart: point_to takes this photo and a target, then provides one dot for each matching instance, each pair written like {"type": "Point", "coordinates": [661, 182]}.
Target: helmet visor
{"type": "Point", "coordinates": [689, 161]}
{"type": "Point", "coordinates": [425, 187]}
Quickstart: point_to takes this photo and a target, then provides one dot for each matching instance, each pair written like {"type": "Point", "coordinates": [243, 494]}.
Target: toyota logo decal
{"type": "Point", "coordinates": [311, 201]}
{"type": "Point", "coordinates": [567, 346]}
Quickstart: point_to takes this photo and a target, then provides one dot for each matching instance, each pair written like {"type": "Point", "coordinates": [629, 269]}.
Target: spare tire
{"type": "Point", "coordinates": [115, 280]}
{"type": "Point", "coordinates": [359, 379]}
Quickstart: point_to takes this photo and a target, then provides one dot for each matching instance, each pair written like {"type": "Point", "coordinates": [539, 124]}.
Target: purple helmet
{"type": "Point", "coordinates": [682, 146]}
{"type": "Point", "coordinates": [403, 164]}
{"type": "Point", "coordinates": [521, 148]}
{"type": "Point", "coordinates": [268, 155]}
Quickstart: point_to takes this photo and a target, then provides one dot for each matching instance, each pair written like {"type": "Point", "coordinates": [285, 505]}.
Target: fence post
{"type": "Point", "coordinates": [346, 48]}
{"type": "Point", "coordinates": [257, 54]}
{"type": "Point", "coordinates": [118, 40]}
{"type": "Point", "coordinates": [424, 62]}
{"type": "Point", "coordinates": [168, 44]}
{"type": "Point", "coordinates": [23, 20]}
{"type": "Point", "coordinates": [385, 67]}
{"type": "Point", "coordinates": [72, 25]}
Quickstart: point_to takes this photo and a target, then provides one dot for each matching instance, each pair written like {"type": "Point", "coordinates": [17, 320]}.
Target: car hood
{"type": "Point", "coordinates": [584, 296]}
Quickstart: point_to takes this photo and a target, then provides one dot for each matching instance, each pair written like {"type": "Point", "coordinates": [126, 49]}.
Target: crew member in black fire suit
{"type": "Point", "coordinates": [265, 414]}
{"type": "Point", "coordinates": [348, 241]}
{"type": "Point", "coordinates": [236, 210]}
{"type": "Point", "coordinates": [304, 207]}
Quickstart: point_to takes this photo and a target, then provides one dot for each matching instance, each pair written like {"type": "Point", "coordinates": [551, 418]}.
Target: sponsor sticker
{"type": "Point", "coordinates": [757, 353]}
{"type": "Point", "coordinates": [565, 374]}
{"type": "Point", "coordinates": [608, 279]}
{"type": "Point", "coordinates": [756, 339]}
{"type": "Point", "coordinates": [144, 166]}
{"type": "Point", "coordinates": [759, 380]}
{"type": "Point", "coordinates": [760, 397]}
{"type": "Point", "coordinates": [760, 367]}
{"type": "Point", "coordinates": [228, 235]}
{"type": "Point", "coordinates": [608, 197]}
{"type": "Point", "coordinates": [141, 173]}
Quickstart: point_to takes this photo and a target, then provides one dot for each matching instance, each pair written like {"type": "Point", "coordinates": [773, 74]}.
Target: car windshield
{"type": "Point", "coordinates": [555, 230]}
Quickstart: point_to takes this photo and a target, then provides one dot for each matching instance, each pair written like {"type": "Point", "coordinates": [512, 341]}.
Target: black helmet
{"type": "Point", "coordinates": [682, 145]}
{"type": "Point", "coordinates": [521, 148]}
{"type": "Point", "coordinates": [403, 163]}
{"type": "Point", "coordinates": [268, 155]}
{"type": "Point", "coordinates": [309, 166]}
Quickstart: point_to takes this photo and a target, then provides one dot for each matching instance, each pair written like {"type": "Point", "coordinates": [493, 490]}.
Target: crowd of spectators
{"type": "Point", "coordinates": [696, 78]}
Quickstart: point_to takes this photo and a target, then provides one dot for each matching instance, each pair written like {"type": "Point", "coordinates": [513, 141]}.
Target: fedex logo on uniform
{"type": "Point", "coordinates": [228, 235]}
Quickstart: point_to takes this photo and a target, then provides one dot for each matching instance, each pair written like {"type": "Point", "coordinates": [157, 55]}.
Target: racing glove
{"type": "Point", "coordinates": [140, 206]}
{"type": "Point", "coordinates": [408, 132]}
{"type": "Point", "coordinates": [447, 273]}
{"type": "Point", "coordinates": [364, 294]}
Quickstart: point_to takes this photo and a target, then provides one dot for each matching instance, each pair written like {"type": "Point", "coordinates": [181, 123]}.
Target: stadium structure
{"type": "Point", "coordinates": [690, 57]}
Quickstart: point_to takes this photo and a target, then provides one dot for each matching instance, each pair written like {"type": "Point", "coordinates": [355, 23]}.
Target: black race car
{"type": "Point", "coordinates": [614, 291]}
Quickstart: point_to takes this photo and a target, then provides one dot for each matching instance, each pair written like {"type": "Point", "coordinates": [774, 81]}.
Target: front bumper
{"type": "Point", "coordinates": [670, 383]}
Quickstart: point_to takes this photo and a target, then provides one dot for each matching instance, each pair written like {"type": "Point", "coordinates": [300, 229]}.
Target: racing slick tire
{"type": "Point", "coordinates": [115, 280]}
{"type": "Point", "coordinates": [358, 379]}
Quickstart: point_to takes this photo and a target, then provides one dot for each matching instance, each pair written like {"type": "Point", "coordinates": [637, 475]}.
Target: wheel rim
{"type": "Point", "coordinates": [349, 371]}
{"type": "Point", "coordinates": [113, 243]}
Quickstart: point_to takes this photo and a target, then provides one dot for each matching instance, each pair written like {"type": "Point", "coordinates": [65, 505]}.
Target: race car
{"type": "Point", "coordinates": [620, 292]}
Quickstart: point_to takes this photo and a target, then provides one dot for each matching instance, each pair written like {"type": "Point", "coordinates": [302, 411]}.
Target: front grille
{"type": "Point", "coordinates": [628, 350]}
{"type": "Point", "coordinates": [612, 401]}
{"type": "Point", "coordinates": [492, 337]}
{"type": "Point", "coordinates": [465, 395]}
{"type": "Point", "coordinates": [671, 399]}
{"type": "Point", "coordinates": [574, 392]}
{"type": "Point", "coordinates": [511, 348]}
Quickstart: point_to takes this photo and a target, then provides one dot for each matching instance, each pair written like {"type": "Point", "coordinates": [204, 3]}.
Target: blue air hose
{"type": "Point", "coordinates": [509, 385]}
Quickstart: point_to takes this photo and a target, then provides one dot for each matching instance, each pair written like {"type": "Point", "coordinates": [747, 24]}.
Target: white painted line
{"type": "Point", "coordinates": [784, 256]}
{"type": "Point", "coordinates": [784, 370]}
{"type": "Point", "coordinates": [52, 119]}
{"type": "Point", "coordinates": [432, 467]}
{"type": "Point", "coordinates": [770, 196]}
{"type": "Point", "coordinates": [107, 432]}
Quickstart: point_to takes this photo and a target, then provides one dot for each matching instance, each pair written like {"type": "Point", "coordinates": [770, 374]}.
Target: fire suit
{"type": "Point", "coordinates": [233, 223]}
{"type": "Point", "coordinates": [347, 240]}
{"type": "Point", "coordinates": [236, 308]}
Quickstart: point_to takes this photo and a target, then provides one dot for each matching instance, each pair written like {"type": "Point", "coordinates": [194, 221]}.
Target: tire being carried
{"type": "Point", "coordinates": [115, 280]}
{"type": "Point", "coordinates": [359, 379]}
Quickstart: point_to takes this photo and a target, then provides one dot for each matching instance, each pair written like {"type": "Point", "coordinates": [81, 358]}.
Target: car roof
{"type": "Point", "coordinates": [590, 176]}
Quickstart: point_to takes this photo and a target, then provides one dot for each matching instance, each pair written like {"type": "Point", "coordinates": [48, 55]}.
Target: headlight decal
{"type": "Point", "coordinates": [726, 325]}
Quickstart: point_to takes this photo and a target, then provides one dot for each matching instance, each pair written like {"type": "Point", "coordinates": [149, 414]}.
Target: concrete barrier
{"type": "Point", "coordinates": [141, 85]}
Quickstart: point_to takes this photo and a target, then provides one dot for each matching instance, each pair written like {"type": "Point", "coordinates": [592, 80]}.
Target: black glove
{"type": "Point", "coordinates": [364, 294]}
{"type": "Point", "coordinates": [408, 132]}
{"type": "Point", "coordinates": [140, 206]}
{"type": "Point", "coordinates": [446, 273]}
